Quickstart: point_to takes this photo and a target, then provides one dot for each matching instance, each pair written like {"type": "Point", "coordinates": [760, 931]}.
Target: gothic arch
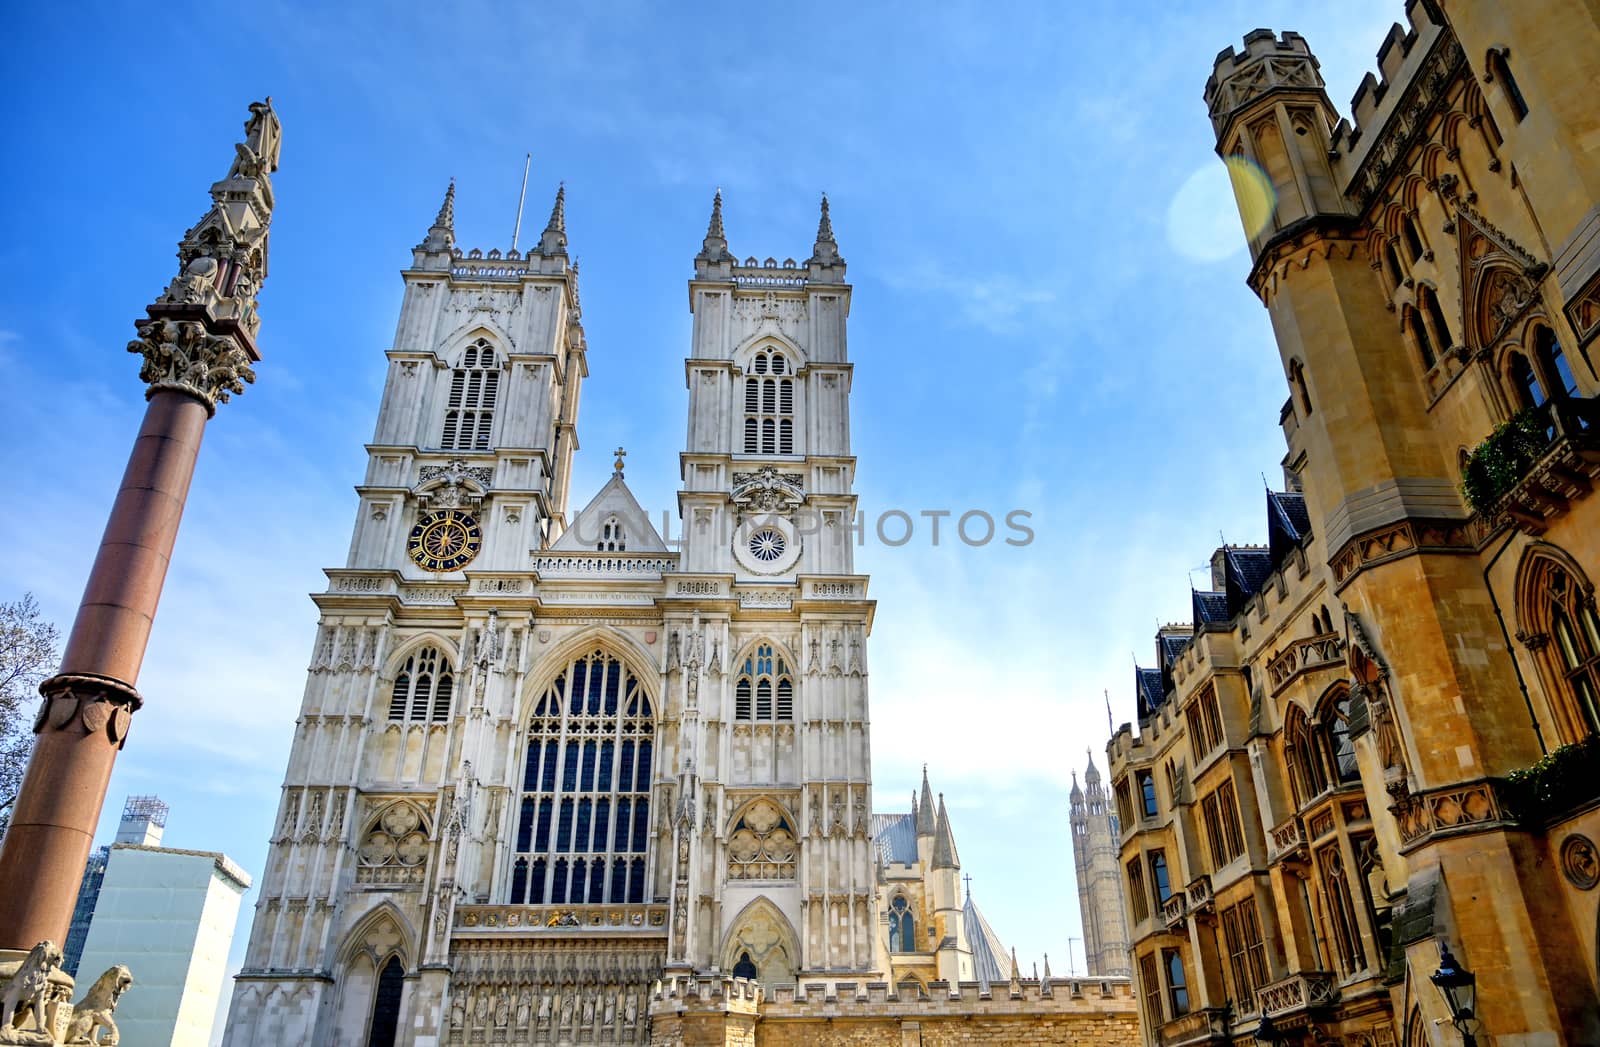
{"type": "Point", "coordinates": [411, 645]}
{"type": "Point", "coordinates": [381, 933]}
{"type": "Point", "coordinates": [768, 340]}
{"type": "Point", "coordinates": [778, 646]}
{"type": "Point", "coordinates": [1557, 625]}
{"type": "Point", "coordinates": [763, 841]}
{"type": "Point", "coordinates": [635, 656]}
{"type": "Point", "coordinates": [762, 931]}
{"type": "Point", "coordinates": [457, 341]}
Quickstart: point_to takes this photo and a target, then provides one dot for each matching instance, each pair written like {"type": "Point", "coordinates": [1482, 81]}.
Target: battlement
{"type": "Point", "coordinates": [1268, 62]}
{"type": "Point", "coordinates": [853, 999]}
{"type": "Point", "coordinates": [1400, 59]}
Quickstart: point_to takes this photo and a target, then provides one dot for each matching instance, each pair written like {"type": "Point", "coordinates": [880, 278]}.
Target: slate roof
{"type": "Point", "coordinates": [1170, 646]}
{"type": "Point", "coordinates": [1247, 571]}
{"type": "Point", "coordinates": [1288, 523]}
{"type": "Point", "coordinates": [895, 836]}
{"type": "Point", "coordinates": [991, 960]}
{"type": "Point", "coordinates": [1148, 686]}
{"type": "Point", "coordinates": [1209, 608]}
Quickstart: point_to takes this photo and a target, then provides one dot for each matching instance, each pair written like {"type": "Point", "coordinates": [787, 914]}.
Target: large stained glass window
{"type": "Point", "coordinates": [584, 822]}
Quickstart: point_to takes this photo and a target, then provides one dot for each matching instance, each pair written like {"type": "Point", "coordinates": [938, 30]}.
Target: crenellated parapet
{"type": "Point", "coordinates": [1268, 63]}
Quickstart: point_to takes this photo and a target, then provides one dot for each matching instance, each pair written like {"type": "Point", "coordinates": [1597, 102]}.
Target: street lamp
{"type": "Point", "coordinates": [1459, 988]}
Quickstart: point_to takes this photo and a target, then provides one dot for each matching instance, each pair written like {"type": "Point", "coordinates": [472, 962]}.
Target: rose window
{"type": "Point", "coordinates": [767, 544]}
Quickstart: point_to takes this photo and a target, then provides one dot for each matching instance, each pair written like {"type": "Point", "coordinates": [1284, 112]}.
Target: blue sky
{"type": "Point", "coordinates": [1049, 314]}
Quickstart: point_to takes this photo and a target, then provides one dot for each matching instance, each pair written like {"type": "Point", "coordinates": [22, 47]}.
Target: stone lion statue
{"type": "Point", "coordinates": [93, 1013]}
{"type": "Point", "coordinates": [27, 989]}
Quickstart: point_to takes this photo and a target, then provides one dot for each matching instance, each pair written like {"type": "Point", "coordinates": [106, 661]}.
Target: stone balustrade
{"type": "Point", "coordinates": [1298, 992]}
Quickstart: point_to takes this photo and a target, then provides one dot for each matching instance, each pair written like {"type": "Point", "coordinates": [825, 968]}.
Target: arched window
{"type": "Point", "coordinates": [469, 409]}
{"type": "Point", "coordinates": [1558, 616]}
{"type": "Point", "coordinates": [902, 927]}
{"type": "Point", "coordinates": [612, 537]}
{"type": "Point", "coordinates": [1306, 774]}
{"type": "Point", "coordinates": [584, 822]}
{"type": "Point", "coordinates": [765, 688]}
{"type": "Point", "coordinates": [746, 967]}
{"type": "Point", "coordinates": [1414, 248]}
{"type": "Point", "coordinates": [1391, 259]}
{"type": "Point", "coordinates": [424, 687]}
{"type": "Point", "coordinates": [1525, 382]}
{"type": "Point", "coordinates": [386, 1004]}
{"type": "Point", "coordinates": [1554, 362]}
{"type": "Point", "coordinates": [1500, 69]}
{"type": "Point", "coordinates": [1419, 335]}
{"type": "Point", "coordinates": [1333, 729]}
{"type": "Point", "coordinates": [1433, 318]}
{"type": "Point", "coordinates": [769, 405]}
{"type": "Point", "coordinates": [1345, 931]}
{"type": "Point", "coordinates": [1177, 984]}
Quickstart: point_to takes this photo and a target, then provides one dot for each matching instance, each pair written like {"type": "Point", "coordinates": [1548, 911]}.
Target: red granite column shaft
{"type": "Point", "coordinates": [53, 823]}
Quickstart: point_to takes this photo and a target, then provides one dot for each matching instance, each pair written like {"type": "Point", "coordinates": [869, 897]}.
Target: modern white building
{"type": "Point", "coordinates": [169, 915]}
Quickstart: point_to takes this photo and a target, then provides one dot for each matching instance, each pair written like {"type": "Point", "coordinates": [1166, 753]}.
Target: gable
{"type": "Point", "coordinates": [614, 505]}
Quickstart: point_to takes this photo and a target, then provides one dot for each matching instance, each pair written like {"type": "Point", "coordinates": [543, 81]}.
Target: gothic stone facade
{"type": "Point", "coordinates": [544, 763]}
{"type": "Point", "coordinates": [1376, 736]}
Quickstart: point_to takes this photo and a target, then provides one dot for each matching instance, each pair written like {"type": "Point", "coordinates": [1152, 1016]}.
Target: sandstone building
{"type": "Point", "coordinates": [1096, 830]}
{"type": "Point", "coordinates": [1375, 738]}
{"type": "Point", "coordinates": [554, 782]}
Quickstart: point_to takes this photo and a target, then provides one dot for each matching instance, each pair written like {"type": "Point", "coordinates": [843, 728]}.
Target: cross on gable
{"type": "Point", "coordinates": [621, 454]}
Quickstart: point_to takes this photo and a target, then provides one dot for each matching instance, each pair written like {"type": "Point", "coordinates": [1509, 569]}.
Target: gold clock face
{"type": "Point", "coordinates": [444, 540]}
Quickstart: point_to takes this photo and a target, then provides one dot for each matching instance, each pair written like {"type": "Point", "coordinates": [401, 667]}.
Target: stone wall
{"type": "Point", "coordinates": [728, 1012]}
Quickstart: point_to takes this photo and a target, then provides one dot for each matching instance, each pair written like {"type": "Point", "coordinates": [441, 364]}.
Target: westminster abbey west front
{"type": "Point", "coordinates": [555, 783]}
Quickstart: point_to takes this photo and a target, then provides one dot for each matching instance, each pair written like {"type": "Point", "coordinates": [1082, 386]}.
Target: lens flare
{"type": "Point", "coordinates": [1204, 217]}
{"type": "Point", "coordinates": [1254, 193]}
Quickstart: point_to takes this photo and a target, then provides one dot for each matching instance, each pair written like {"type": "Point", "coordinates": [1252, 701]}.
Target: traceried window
{"type": "Point", "coordinates": [762, 844]}
{"type": "Point", "coordinates": [769, 405]}
{"type": "Point", "coordinates": [902, 927]}
{"type": "Point", "coordinates": [1558, 612]}
{"type": "Point", "coordinates": [469, 409]}
{"type": "Point", "coordinates": [424, 688]}
{"type": "Point", "coordinates": [1247, 953]}
{"type": "Point", "coordinates": [1306, 774]}
{"type": "Point", "coordinates": [386, 1004]}
{"type": "Point", "coordinates": [1204, 719]}
{"type": "Point", "coordinates": [1558, 371]}
{"type": "Point", "coordinates": [765, 688]}
{"type": "Point", "coordinates": [1221, 810]}
{"type": "Point", "coordinates": [1150, 986]}
{"type": "Point", "coordinates": [1334, 735]}
{"type": "Point", "coordinates": [1343, 928]}
{"type": "Point", "coordinates": [1530, 391]}
{"type": "Point", "coordinates": [1136, 894]}
{"type": "Point", "coordinates": [1124, 802]}
{"type": "Point", "coordinates": [584, 823]}
{"type": "Point", "coordinates": [612, 537]}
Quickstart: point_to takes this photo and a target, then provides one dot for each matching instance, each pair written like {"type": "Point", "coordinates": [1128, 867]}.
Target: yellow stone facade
{"type": "Point", "coordinates": [1377, 737]}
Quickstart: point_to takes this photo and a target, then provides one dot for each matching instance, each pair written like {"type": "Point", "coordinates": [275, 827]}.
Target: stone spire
{"type": "Point", "coordinates": [826, 250]}
{"type": "Point", "coordinates": [1077, 792]}
{"type": "Point", "coordinates": [442, 234]}
{"type": "Point", "coordinates": [944, 842]}
{"type": "Point", "coordinates": [1091, 777]}
{"type": "Point", "coordinates": [924, 809]}
{"type": "Point", "coordinates": [714, 248]}
{"type": "Point", "coordinates": [554, 240]}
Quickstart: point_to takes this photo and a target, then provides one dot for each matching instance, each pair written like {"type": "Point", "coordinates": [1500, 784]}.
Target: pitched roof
{"type": "Point", "coordinates": [1151, 695]}
{"type": "Point", "coordinates": [991, 960]}
{"type": "Point", "coordinates": [1246, 571]}
{"type": "Point", "coordinates": [895, 837]}
{"type": "Point", "coordinates": [614, 499]}
{"type": "Point", "coordinates": [1288, 523]}
{"type": "Point", "coordinates": [1209, 608]}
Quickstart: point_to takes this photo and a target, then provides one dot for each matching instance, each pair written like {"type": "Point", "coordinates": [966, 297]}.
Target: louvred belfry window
{"type": "Point", "coordinates": [765, 688]}
{"type": "Point", "coordinates": [769, 405]}
{"type": "Point", "coordinates": [423, 688]}
{"type": "Point", "coordinates": [584, 822]}
{"type": "Point", "coordinates": [469, 407]}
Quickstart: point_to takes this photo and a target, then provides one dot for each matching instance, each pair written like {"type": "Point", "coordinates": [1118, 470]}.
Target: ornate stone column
{"type": "Point", "coordinates": [197, 343]}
